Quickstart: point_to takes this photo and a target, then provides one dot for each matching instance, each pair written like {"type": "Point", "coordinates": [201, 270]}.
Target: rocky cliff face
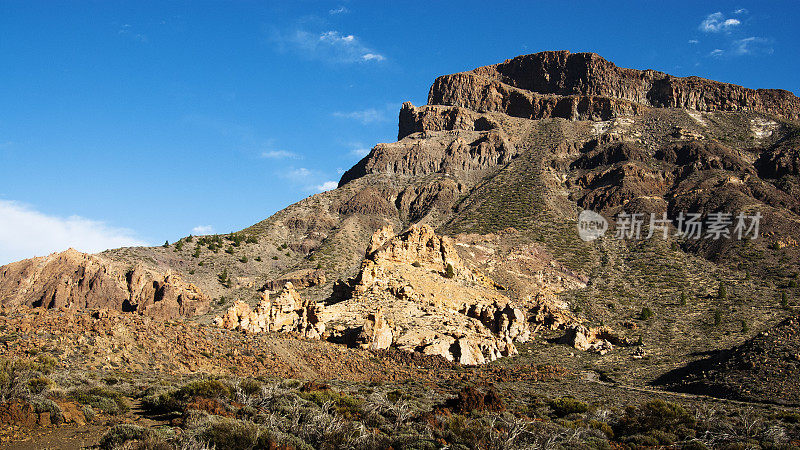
{"type": "Point", "coordinates": [584, 86]}
{"type": "Point", "coordinates": [414, 292]}
{"type": "Point", "coordinates": [74, 280]}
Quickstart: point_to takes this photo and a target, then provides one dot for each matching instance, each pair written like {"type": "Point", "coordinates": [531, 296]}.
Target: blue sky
{"type": "Point", "coordinates": [137, 122]}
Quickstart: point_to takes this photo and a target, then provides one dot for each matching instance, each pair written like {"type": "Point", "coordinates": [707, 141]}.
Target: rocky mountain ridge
{"type": "Point", "coordinates": [584, 86]}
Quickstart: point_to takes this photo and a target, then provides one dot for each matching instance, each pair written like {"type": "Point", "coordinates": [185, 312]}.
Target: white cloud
{"type": "Point", "coordinates": [741, 11]}
{"type": "Point", "coordinates": [331, 46]}
{"type": "Point", "coordinates": [364, 116]}
{"type": "Point", "coordinates": [372, 57]}
{"type": "Point", "coordinates": [694, 41]}
{"type": "Point", "coordinates": [717, 52]}
{"type": "Point", "coordinates": [752, 45]}
{"type": "Point", "coordinates": [25, 232]}
{"type": "Point", "coordinates": [203, 230]}
{"type": "Point", "coordinates": [339, 10]}
{"type": "Point", "coordinates": [279, 154]}
{"type": "Point", "coordinates": [716, 23]}
{"type": "Point", "coordinates": [326, 186]}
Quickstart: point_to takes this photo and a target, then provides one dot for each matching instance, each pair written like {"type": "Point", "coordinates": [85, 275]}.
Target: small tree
{"type": "Point", "coordinates": [722, 293]}
{"type": "Point", "coordinates": [449, 272]}
{"type": "Point", "coordinates": [683, 298]}
{"type": "Point", "coordinates": [717, 318]}
{"type": "Point", "coordinates": [784, 300]}
{"type": "Point", "coordinates": [223, 278]}
{"type": "Point", "coordinates": [166, 244]}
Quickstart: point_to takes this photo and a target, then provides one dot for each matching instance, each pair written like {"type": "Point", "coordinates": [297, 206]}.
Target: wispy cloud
{"type": "Point", "coordinates": [203, 229]}
{"type": "Point", "coordinates": [717, 23]}
{"type": "Point", "coordinates": [329, 46]}
{"type": "Point", "coordinates": [326, 186]}
{"type": "Point", "coordinates": [365, 116]}
{"type": "Point", "coordinates": [752, 45]}
{"type": "Point", "coordinates": [339, 10]}
{"type": "Point", "coordinates": [25, 232]}
{"type": "Point", "coordinates": [731, 40]}
{"type": "Point", "coordinates": [279, 154]}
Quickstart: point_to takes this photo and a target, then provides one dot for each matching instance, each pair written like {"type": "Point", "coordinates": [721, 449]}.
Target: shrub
{"type": "Point", "coordinates": [717, 318]}
{"type": "Point", "coordinates": [196, 253]}
{"type": "Point", "coordinates": [39, 384]}
{"type": "Point", "coordinates": [568, 405]}
{"type": "Point", "coordinates": [243, 259]}
{"type": "Point", "coordinates": [416, 264]}
{"type": "Point", "coordinates": [251, 239]}
{"type": "Point", "coordinates": [189, 238]}
{"type": "Point", "coordinates": [49, 406]}
{"type": "Point", "coordinates": [120, 434]}
{"type": "Point", "coordinates": [656, 415]}
{"type": "Point", "coordinates": [166, 244]}
{"type": "Point", "coordinates": [274, 258]}
{"type": "Point", "coordinates": [223, 278]}
{"type": "Point", "coordinates": [171, 401]}
{"type": "Point", "coordinates": [106, 400]}
{"type": "Point", "coordinates": [745, 327]}
{"type": "Point", "coordinates": [722, 292]}
{"type": "Point", "coordinates": [232, 434]}
{"type": "Point", "coordinates": [784, 300]}
{"type": "Point", "coordinates": [449, 272]}
{"type": "Point", "coordinates": [258, 258]}
{"type": "Point", "coordinates": [683, 299]}
{"type": "Point", "coordinates": [646, 314]}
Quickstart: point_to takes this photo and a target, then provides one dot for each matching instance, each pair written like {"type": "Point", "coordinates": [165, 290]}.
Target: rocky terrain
{"type": "Point", "coordinates": [453, 255]}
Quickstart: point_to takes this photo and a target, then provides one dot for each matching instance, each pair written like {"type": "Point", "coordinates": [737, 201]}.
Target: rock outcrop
{"type": "Point", "coordinates": [593, 339]}
{"type": "Point", "coordinates": [414, 292]}
{"type": "Point", "coordinates": [299, 279]}
{"type": "Point", "coordinates": [584, 86]}
{"type": "Point", "coordinates": [75, 280]}
{"type": "Point", "coordinates": [288, 312]}
{"type": "Point", "coordinates": [436, 152]}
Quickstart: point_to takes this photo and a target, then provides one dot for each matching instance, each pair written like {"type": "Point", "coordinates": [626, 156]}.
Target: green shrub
{"type": "Point", "coordinates": [39, 384]}
{"type": "Point", "coordinates": [175, 400]}
{"type": "Point", "coordinates": [449, 272]}
{"type": "Point", "coordinates": [656, 415]}
{"type": "Point", "coordinates": [106, 400]}
{"type": "Point", "coordinates": [568, 405]}
{"type": "Point", "coordinates": [416, 264]}
{"type": "Point", "coordinates": [717, 318]}
{"type": "Point", "coordinates": [722, 292]}
{"type": "Point", "coordinates": [784, 300]}
{"type": "Point", "coordinates": [120, 434]}
{"type": "Point", "coordinates": [166, 244]}
{"type": "Point", "coordinates": [232, 434]}
{"type": "Point", "coordinates": [243, 259]}
{"type": "Point", "coordinates": [683, 299]}
{"type": "Point", "coordinates": [42, 405]}
{"type": "Point", "coordinates": [646, 314]}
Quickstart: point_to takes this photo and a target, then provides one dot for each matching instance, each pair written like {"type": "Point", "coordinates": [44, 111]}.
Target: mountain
{"type": "Point", "coordinates": [500, 162]}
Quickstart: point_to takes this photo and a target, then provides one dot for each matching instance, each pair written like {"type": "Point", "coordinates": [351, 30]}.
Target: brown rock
{"type": "Point", "coordinates": [74, 280]}
{"type": "Point", "coordinates": [584, 86]}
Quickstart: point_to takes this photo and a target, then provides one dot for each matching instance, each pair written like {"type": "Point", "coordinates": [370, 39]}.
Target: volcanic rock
{"type": "Point", "coordinates": [74, 280]}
